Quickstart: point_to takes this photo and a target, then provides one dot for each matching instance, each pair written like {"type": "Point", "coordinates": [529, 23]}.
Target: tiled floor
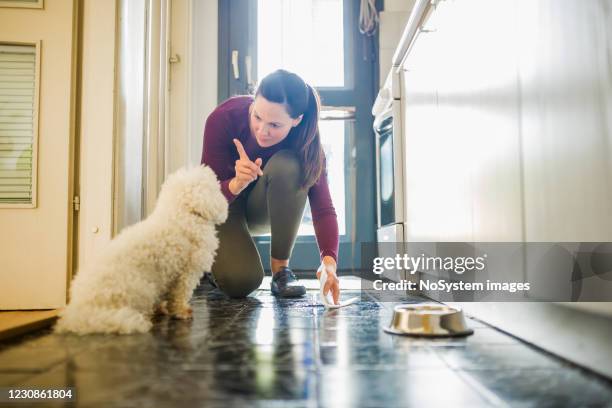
{"type": "Point", "coordinates": [292, 353]}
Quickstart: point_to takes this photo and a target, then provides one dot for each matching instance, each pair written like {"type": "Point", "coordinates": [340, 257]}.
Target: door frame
{"type": "Point", "coordinates": [96, 129]}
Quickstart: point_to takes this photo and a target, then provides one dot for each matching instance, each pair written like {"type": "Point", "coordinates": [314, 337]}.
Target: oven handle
{"type": "Point", "coordinates": [384, 121]}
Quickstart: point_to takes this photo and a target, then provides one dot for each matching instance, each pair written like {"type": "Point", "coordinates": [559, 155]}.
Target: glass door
{"type": "Point", "coordinates": [320, 41]}
{"type": "Point", "coordinates": [386, 174]}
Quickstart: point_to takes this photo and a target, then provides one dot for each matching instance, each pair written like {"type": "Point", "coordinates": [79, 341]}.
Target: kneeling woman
{"type": "Point", "coordinates": [266, 152]}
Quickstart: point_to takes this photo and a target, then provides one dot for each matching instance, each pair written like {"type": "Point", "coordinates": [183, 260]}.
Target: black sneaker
{"type": "Point", "coordinates": [285, 284]}
{"type": "Point", "coordinates": [208, 276]}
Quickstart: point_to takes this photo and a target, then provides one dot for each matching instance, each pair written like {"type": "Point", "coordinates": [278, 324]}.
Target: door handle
{"type": "Point", "coordinates": [235, 64]}
{"type": "Point", "coordinates": [248, 62]}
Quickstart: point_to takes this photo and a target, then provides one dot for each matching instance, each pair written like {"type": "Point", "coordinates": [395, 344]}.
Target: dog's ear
{"type": "Point", "coordinates": [171, 191]}
{"type": "Point", "coordinates": [214, 208]}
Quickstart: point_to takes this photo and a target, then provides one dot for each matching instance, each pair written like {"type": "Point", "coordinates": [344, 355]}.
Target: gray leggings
{"type": "Point", "coordinates": [273, 204]}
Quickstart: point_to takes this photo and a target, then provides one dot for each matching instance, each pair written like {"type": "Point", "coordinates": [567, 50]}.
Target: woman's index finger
{"type": "Point", "coordinates": [241, 152]}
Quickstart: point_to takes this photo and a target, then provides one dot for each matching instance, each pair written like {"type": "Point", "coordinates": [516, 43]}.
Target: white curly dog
{"type": "Point", "coordinates": [151, 266]}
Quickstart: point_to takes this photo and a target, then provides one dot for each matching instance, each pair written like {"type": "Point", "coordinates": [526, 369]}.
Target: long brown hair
{"type": "Point", "coordinates": [299, 98]}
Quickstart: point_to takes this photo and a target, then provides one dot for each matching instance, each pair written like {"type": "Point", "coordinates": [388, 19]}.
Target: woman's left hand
{"type": "Point", "coordinates": [332, 282]}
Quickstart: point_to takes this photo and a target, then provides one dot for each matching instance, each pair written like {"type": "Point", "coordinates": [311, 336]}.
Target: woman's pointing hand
{"type": "Point", "coordinates": [247, 171]}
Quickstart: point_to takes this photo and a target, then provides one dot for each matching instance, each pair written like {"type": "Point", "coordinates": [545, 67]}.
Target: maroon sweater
{"type": "Point", "coordinates": [231, 120]}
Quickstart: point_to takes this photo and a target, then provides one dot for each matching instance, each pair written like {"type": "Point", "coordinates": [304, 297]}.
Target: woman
{"type": "Point", "coordinates": [266, 152]}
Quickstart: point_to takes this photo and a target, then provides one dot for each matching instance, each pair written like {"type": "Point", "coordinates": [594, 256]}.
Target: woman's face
{"type": "Point", "coordinates": [269, 122]}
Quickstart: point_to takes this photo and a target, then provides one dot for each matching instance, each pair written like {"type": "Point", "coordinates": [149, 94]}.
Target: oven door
{"type": "Point", "coordinates": [391, 243]}
{"type": "Point", "coordinates": [389, 163]}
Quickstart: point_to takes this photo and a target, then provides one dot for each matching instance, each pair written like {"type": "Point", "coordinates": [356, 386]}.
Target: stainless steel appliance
{"type": "Point", "coordinates": [390, 200]}
{"type": "Point", "coordinates": [389, 162]}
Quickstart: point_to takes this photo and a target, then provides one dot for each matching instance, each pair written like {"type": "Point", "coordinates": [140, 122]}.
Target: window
{"type": "Point", "coordinates": [307, 37]}
{"type": "Point", "coordinates": [18, 119]}
{"type": "Point", "coordinates": [303, 36]}
{"type": "Point", "coordinates": [333, 140]}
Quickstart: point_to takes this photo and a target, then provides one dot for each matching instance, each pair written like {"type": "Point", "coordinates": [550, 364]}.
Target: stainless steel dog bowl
{"type": "Point", "coordinates": [428, 321]}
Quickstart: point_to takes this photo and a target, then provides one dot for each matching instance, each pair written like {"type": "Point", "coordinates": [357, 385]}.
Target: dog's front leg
{"type": "Point", "coordinates": [162, 308]}
{"type": "Point", "coordinates": [180, 294]}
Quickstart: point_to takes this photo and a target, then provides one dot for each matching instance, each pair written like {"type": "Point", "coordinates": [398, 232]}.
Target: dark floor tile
{"type": "Point", "coordinates": [265, 335]}
{"type": "Point", "coordinates": [389, 301]}
{"type": "Point", "coordinates": [481, 336]}
{"type": "Point", "coordinates": [269, 352]}
{"type": "Point", "coordinates": [30, 359]}
{"type": "Point", "coordinates": [408, 341]}
{"type": "Point", "coordinates": [355, 335]}
{"type": "Point", "coordinates": [546, 388]}
{"type": "Point", "coordinates": [371, 326]}
{"type": "Point", "coordinates": [306, 301]}
{"type": "Point", "coordinates": [372, 356]}
{"type": "Point", "coordinates": [340, 387]}
{"type": "Point", "coordinates": [8, 379]}
{"type": "Point", "coordinates": [372, 330]}
{"type": "Point", "coordinates": [234, 355]}
{"type": "Point", "coordinates": [109, 360]}
{"type": "Point", "coordinates": [499, 357]}
{"type": "Point", "coordinates": [246, 386]}
{"type": "Point", "coordinates": [356, 311]}
{"type": "Point", "coordinates": [253, 322]}
{"type": "Point", "coordinates": [93, 388]}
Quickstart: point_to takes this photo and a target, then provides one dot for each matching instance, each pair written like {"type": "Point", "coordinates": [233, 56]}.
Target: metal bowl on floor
{"type": "Point", "coordinates": [428, 320]}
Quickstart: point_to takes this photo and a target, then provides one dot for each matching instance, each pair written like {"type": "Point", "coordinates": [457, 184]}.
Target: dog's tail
{"type": "Point", "coordinates": [87, 320]}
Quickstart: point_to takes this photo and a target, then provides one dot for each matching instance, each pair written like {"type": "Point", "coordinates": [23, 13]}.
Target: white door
{"type": "Point", "coordinates": [37, 104]}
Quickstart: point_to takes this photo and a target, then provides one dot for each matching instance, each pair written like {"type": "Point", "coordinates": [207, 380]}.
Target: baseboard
{"type": "Point", "coordinates": [17, 323]}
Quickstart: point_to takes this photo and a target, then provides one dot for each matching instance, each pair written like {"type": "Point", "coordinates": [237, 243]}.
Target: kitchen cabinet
{"type": "Point", "coordinates": [507, 111]}
{"type": "Point", "coordinates": [430, 209]}
{"type": "Point", "coordinates": [461, 126]}
{"type": "Point", "coordinates": [508, 137]}
{"type": "Point", "coordinates": [564, 76]}
{"type": "Point", "coordinates": [565, 84]}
